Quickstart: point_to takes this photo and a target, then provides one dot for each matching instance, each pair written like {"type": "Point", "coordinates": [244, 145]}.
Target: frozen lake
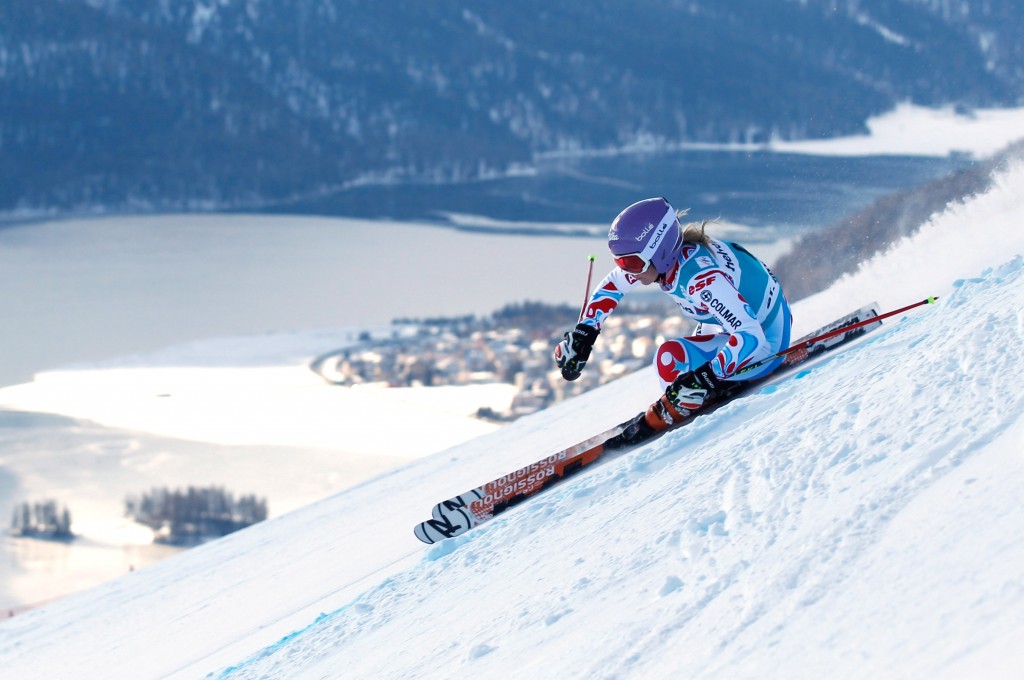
{"type": "Point", "coordinates": [87, 290]}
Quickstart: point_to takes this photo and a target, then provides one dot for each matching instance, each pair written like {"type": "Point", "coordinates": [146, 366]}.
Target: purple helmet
{"type": "Point", "coordinates": [645, 233]}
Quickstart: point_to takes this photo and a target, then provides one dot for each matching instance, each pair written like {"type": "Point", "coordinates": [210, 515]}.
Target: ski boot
{"type": "Point", "coordinates": [659, 416]}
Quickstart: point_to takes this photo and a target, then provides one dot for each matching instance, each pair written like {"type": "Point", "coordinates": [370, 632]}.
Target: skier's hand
{"type": "Point", "coordinates": [693, 389]}
{"type": "Point", "coordinates": [572, 352]}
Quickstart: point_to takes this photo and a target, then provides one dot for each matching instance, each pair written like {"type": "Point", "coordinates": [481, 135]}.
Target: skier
{"type": "Point", "coordinates": [742, 315]}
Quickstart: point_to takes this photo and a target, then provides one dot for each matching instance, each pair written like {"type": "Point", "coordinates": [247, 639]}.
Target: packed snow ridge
{"type": "Point", "coordinates": [862, 518]}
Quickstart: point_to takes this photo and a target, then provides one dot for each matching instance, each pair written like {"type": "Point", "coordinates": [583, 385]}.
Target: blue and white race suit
{"type": "Point", "coordinates": [718, 285]}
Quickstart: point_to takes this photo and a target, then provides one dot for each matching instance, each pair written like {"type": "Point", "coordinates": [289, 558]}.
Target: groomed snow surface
{"type": "Point", "coordinates": [861, 519]}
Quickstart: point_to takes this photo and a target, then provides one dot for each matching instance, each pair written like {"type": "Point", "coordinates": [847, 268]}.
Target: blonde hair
{"type": "Point", "coordinates": [693, 232]}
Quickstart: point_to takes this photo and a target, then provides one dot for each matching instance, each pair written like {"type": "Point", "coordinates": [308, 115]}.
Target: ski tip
{"type": "Point", "coordinates": [452, 524]}
{"type": "Point", "coordinates": [420, 531]}
{"type": "Point", "coordinates": [931, 300]}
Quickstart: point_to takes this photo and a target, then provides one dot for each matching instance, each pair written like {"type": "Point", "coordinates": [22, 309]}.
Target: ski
{"type": "Point", "coordinates": [459, 514]}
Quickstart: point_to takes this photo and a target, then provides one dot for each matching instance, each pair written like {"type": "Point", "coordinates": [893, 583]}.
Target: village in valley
{"type": "Point", "coordinates": [513, 345]}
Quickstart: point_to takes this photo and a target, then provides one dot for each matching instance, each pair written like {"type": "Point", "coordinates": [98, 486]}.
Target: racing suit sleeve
{"type": "Point", "coordinates": [606, 297]}
{"type": "Point", "coordinates": [711, 289]}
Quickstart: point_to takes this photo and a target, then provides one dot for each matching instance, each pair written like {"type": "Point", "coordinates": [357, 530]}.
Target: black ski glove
{"type": "Point", "coordinates": [693, 389]}
{"type": "Point", "coordinates": [572, 352]}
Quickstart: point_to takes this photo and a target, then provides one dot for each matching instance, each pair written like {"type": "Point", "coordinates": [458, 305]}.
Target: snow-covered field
{"type": "Point", "coordinates": [861, 519]}
{"type": "Point", "coordinates": [911, 130]}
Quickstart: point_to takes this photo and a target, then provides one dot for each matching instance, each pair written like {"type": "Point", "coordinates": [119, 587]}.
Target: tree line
{"type": "Point", "coordinates": [196, 514]}
{"type": "Point", "coordinates": [42, 519]}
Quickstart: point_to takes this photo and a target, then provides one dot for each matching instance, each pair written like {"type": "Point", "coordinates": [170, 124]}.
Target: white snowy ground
{"type": "Point", "coordinates": [916, 130]}
{"type": "Point", "coordinates": [910, 130]}
{"type": "Point", "coordinates": [860, 519]}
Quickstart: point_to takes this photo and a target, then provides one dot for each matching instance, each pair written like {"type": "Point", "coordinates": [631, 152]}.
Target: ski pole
{"type": "Point", "coordinates": [586, 293]}
{"type": "Point", "coordinates": [838, 331]}
{"type": "Point", "coordinates": [853, 326]}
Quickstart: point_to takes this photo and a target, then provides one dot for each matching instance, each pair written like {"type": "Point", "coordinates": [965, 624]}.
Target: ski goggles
{"type": "Point", "coordinates": [634, 264]}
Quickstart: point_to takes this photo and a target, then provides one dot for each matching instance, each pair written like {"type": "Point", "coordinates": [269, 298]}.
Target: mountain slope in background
{"type": "Point", "coordinates": [858, 519]}
{"type": "Point", "coordinates": [149, 104]}
{"type": "Point", "coordinates": [820, 257]}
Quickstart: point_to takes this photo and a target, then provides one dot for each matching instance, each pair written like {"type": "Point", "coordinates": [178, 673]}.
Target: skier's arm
{"type": "Point", "coordinates": [606, 297]}
{"type": "Point", "coordinates": [573, 351]}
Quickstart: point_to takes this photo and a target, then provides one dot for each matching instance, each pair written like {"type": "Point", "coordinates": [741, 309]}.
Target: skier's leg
{"type": "Point", "coordinates": [673, 357]}
{"type": "Point", "coordinates": [679, 355]}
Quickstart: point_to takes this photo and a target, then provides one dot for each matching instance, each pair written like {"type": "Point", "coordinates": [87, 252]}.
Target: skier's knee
{"type": "Point", "coordinates": [671, 359]}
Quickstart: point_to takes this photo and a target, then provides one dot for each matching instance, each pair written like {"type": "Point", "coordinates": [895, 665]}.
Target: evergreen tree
{"type": "Point", "coordinates": [195, 514]}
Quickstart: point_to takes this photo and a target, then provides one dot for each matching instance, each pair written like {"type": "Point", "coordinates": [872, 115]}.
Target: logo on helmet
{"type": "Point", "coordinates": [659, 236]}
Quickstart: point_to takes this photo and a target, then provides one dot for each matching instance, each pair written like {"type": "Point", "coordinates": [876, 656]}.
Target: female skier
{"type": "Point", "coordinates": [742, 315]}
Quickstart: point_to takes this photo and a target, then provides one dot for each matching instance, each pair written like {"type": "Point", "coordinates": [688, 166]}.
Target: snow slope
{"type": "Point", "coordinates": [915, 130]}
{"type": "Point", "coordinates": [859, 519]}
